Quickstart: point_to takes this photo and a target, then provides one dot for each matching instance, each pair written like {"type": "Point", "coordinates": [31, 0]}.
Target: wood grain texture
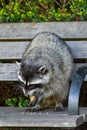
{"type": "Point", "coordinates": [8, 71]}
{"type": "Point", "coordinates": [28, 30]}
{"type": "Point", "coordinates": [12, 50]}
{"type": "Point", "coordinates": [17, 117]}
{"type": "Point", "coordinates": [15, 50]}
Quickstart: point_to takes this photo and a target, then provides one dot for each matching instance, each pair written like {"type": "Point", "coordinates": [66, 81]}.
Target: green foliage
{"type": "Point", "coordinates": [14, 102]}
{"type": "Point", "coordinates": [42, 10]}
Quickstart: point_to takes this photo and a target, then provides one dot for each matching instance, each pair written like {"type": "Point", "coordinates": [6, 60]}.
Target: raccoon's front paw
{"type": "Point", "coordinates": [33, 109]}
{"type": "Point", "coordinates": [59, 107]}
{"type": "Point", "coordinates": [32, 104]}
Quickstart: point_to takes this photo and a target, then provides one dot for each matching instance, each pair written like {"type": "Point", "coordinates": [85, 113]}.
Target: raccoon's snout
{"type": "Point", "coordinates": [31, 89]}
{"type": "Point", "coordinates": [25, 92]}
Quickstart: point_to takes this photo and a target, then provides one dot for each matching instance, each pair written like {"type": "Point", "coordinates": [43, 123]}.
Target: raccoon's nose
{"type": "Point", "coordinates": [28, 97]}
{"type": "Point", "coordinates": [26, 94]}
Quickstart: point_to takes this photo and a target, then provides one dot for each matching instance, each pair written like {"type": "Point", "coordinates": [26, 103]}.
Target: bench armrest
{"type": "Point", "coordinates": [74, 93]}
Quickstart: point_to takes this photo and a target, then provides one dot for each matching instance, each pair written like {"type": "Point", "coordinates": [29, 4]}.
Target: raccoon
{"type": "Point", "coordinates": [45, 70]}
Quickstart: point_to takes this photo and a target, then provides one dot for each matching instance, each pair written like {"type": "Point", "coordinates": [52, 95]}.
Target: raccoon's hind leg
{"type": "Point", "coordinates": [59, 107]}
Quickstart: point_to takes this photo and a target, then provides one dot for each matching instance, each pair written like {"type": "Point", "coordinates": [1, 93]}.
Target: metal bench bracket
{"type": "Point", "coordinates": [74, 93]}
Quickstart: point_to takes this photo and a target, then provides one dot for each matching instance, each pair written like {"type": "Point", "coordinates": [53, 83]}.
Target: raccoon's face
{"type": "Point", "coordinates": [33, 76]}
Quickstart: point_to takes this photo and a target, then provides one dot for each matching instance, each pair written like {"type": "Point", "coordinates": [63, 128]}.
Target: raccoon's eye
{"type": "Point", "coordinates": [42, 70]}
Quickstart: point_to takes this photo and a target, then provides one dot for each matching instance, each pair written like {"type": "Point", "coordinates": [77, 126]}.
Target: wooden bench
{"type": "Point", "coordinates": [14, 37]}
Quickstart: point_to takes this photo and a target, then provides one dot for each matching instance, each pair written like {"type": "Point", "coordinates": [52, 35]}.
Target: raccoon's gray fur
{"type": "Point", "coordinates": [45, 70]}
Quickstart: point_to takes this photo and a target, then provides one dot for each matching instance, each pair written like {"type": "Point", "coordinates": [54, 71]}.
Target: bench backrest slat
{"type": "Point", "coordinates": [8, 71]}
{"type": "Point", "coordinates": [22, 31]}
{"type": "Point", "coordinates": [15, 50]}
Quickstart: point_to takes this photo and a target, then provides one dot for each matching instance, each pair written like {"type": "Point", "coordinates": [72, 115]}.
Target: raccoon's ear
{"type": "Point", "coordinates": [18, 64]}
{"type": "Point", "coordinates": [42, 69]}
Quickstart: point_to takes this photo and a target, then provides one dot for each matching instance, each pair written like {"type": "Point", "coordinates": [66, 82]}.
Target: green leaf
{"type": "Point", "coordinates": [14, 100]}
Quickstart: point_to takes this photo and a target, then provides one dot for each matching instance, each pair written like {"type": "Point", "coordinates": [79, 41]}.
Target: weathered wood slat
{"type": "Point", "coordinates": [17, 117]}
{"type": "Point", "coordinates": [12, 50]}
{"type": "Point", "coordinates": [23, 30]}
{"type": "Point", "coordinates": [15, 50]}
{"type": "Point", "coordinates": [40, 120]}
{"type": "Point", "coordinates": [8, 71]}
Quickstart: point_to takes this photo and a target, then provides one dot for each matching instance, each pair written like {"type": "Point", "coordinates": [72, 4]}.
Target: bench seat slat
{"type": "Point", "coordinates": [40, 120]}
{"type": "Point", "coordinates": [15, 50]}
{"type": "Point", "coordinates": [8, 71]}
{"type": "Point", "coordinates": [23, 30]}
{"type": "Point", "coordinates": [17, 117]}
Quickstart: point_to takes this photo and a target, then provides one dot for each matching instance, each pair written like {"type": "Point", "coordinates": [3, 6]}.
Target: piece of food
{"type": "Point", "coordinates": [32, 98]}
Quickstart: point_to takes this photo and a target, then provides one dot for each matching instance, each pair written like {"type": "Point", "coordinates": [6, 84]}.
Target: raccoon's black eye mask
{"type": "Point", "coordinates": [33, 86]}
{"type": "Point", "coordinates": [29, 87]}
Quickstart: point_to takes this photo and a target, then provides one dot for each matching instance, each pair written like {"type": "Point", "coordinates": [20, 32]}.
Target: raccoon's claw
{"type": "Point", "coordinates": [33, 109]}
{"type": "Point", "coordinates": [59, 107]}
{"type": "Point", "coordinates": [30, 110]}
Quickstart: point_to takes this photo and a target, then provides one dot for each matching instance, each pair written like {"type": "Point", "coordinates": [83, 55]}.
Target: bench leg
{"type": "Point", "coordinates": [74, 93]}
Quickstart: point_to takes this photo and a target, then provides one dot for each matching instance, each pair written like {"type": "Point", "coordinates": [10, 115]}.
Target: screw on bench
{"type": "Point", "coordinates": [74, 93]}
